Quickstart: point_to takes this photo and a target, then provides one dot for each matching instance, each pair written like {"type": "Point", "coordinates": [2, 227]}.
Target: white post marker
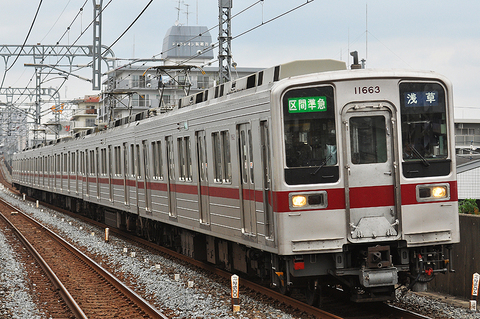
{"type": "Point", "coordinates": [23, 197]}
{"type": "Point", "coordinates": [107, 233]}
{"type": "Point", "coordinates": [37, 203]}
{"type": "Point", "coordinates": [473, 299]}
{"type": "Point", "coordinates": [235, 293]}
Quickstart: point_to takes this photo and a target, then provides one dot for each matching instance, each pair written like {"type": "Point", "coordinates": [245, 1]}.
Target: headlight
{"type": "Point", "coordinates": [299, 201]}
{"type": "Point", "coordinates": [310, 200]}
{"type": "Point", "coordinates": [433, 192]}
{"type": "Point", "coordinates": [439, 192]}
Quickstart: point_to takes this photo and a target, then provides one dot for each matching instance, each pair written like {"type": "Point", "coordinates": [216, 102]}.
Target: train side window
{"type": "Point", "coordinates": [153, 148]}
{"type": "Point", "coordinates": [132, 160]}
{"type": "Point", "coordinates": [221, 156]}
{"type": "Point", "coordinates": [185, 158]}
{"type": "Point", "coordinates": [157, 159]}
{"type": "Point", "coordinates": [52, 166]}
{"type": "Point", "coordinates": [57, 164]}
{"type": "Point", "coordinates": [103, 163]}
{"type": "Point", "coordinates": [227, 162]}
{"type": "Point", "coordinates": [188, 157]}
{"type": "Point", "coordinates": [217, 158]}
{"type": "Point", "coordinates": [87, 163]}
{"type": "Point", "coordinates": [137, 151]}
{"type": "Point", "coordinates": [250, 142]}
{"type": "Point", "coordinates": [80, 161]}
{"type": "Point", "coordinates": [202, 155]}
{"type": "Point", "coordinates": [65, 162]}
{"type": "Point", "coordinates": [92, 162]}
{"type": "Point", "coordinates": [170, 157]}
{"type": "Point", "coordinates": [72, 163]}
{"type": "Point", "coordinates": [181, 159]}
{"type": "Point", "coordinates": [243, 145]}
{"type": "Point", "coordinates": [118, 161]}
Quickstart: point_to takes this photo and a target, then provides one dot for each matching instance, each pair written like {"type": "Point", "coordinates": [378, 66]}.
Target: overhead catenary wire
{"type": "Point", "coordinates": [78, 38]}
{"type": "Point", "coordinates": [55, 23]}
{"type": "Point", "coordinates": [207, 50]}
{"type": "Point", "coordinates": [255, 27]}
{"type": "Point", "coordinates": [23, 45]}
{"type": "Point", "coordinates": [58, 42]}
{"type": "Point", "coordinates": [193, 38]}
{"type": "Point", "coordinates": [214, 45]}
{"type": "Point", "coordinates": [128, 28]}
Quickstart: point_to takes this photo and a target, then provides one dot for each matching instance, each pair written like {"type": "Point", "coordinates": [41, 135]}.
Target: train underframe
{"type": "Point", "coordinates": [367, 272]}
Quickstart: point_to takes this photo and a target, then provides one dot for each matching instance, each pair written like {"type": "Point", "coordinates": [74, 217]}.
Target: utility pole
{"type": "Point", "coordinates": [97, 45]}
{"type": "Point", "coordinates": [225, 40]}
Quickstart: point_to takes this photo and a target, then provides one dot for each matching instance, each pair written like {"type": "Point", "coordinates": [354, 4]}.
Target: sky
{"type": "Point", "coordinates": [442, 36]}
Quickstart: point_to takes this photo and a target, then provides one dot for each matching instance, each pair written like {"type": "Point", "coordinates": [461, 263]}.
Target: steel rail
{"type": "Point", "coordinates": [294, 303]}
{"type": "Point", "coordinates": [137, 299]}
{"type": "Point", "coordinates": [66, 296]}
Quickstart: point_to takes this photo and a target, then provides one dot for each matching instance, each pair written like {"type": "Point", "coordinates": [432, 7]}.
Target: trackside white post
{"type": "Point", "coordinates": [473, 299]}
{"type": "Point", "coordinates": [37, 203]}
{"type": "Point", "coordinates": [235, 293]}
{"type": "Point", "coordinates": [23, 197]}
{"type": "Point", "coordinates": [107, 232]}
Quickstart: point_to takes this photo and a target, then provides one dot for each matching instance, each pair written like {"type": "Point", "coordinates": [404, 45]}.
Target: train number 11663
{"type": "Point", "coordinates": [367, 89]}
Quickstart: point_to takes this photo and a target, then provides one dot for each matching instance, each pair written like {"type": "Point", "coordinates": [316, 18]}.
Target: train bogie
{"type": "Point", "coordinates": [301, 174]}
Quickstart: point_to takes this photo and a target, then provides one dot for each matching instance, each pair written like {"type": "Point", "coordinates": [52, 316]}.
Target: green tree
{"type": "Point", "coordinates": [468, 206]}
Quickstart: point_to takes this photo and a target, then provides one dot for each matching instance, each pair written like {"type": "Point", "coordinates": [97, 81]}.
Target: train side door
{"type": "Point", "coordinates": [138, 176]}
{"type": "Point", "coordinates": [97, 171]}
{"type": "Point", "coordinates": [267, 189]}
{"type": "Point", "coordinates": [126, 187]}
{"type": "Point", "coordinates": [247, 181]}
{"type": "Point", "coordinates": [203, 197]}
{"type": "Point", "coordinates": [146, 171]}
{"type": "Point", "coordinates": [110, 161]}
{"type": "Point", "coordinates": [88, 170]}
{"type": "Point", "coordinates": [79, 169]}
{"type": "Point", "coordinates": [171, 186]}
{"type": "Point", "coordinates": [371, 198]}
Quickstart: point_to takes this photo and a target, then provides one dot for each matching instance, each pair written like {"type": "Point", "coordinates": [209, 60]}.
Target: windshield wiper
{"type": "Point", "coordinates": [424, 160]}
{"type": "Point", "coordinates": [322, 165]}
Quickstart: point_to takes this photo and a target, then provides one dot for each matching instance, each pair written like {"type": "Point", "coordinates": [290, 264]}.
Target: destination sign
{"type": "Point", "coordinates": [307, 104]}
{"type": "Point", "coordinates": [429, 98]}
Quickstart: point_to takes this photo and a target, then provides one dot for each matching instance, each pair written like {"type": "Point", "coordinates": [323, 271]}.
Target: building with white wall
{"type": "Point", "coordinates": [467, 144]}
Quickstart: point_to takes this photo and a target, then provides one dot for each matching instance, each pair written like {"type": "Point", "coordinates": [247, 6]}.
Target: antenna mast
{"type": "Point", "coordinates": [178, 11]}
{"type": "Point", "coordinates": [366, 32]}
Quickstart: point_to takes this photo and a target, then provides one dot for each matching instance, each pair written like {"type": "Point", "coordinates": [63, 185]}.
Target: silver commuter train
{"type": "Point", "coordinates": [305, 174]}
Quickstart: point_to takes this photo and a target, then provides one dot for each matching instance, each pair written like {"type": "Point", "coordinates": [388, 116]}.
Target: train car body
{"type": "Point", "coordinates": [300, 174]}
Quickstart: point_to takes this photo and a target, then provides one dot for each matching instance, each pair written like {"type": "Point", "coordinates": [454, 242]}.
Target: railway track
{"type": "Point", "coordinates": [86, 288]}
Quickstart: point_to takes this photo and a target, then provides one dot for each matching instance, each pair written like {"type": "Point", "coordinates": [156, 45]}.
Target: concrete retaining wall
{"type": "Point", "coordinates": [466, 260]}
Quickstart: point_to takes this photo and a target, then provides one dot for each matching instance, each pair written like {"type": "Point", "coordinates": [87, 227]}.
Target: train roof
{"type": "Point", "coordinates": [270, 75]}
{"type": "Point", "coordinates": [260, 78]}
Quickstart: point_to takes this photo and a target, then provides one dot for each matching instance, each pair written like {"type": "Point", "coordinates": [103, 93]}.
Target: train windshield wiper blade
{"type": "Point", "coordinates": [424, 160]}
{"type": "Point", "coordinates": [322, 165]}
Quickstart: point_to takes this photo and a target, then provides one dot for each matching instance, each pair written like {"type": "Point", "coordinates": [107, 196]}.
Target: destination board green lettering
{"type": "Point", "coordinates": [307, 104]}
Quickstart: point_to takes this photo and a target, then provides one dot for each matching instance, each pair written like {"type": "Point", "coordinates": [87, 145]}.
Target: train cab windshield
{"type": "Point", "coordinates": [310, 136]}
{"type": "Point", "coordinates": [424, 129]}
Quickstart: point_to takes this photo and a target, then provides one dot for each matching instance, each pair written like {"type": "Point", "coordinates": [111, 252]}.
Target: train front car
{"type": "Point", "coordinates": [367, 194]}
